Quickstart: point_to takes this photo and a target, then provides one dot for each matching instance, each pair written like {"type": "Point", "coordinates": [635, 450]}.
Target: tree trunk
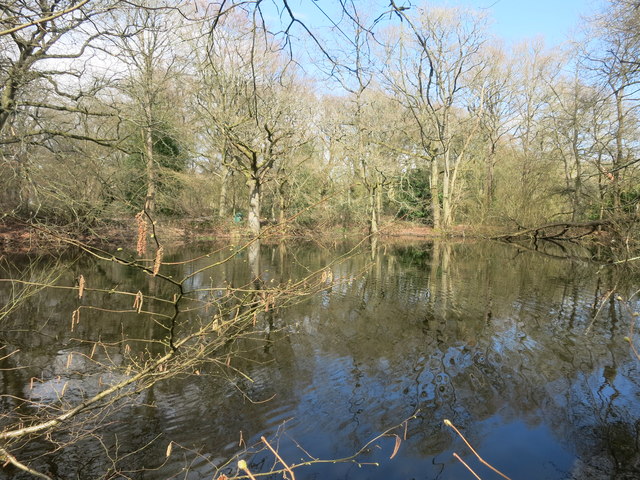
{"type": "Point", "coordinates": [577, 183]}
{"type": "Point", "coordinates": [282, 201]}
{"type": "Point", "coordinates": [435, 194]}
{"type": "Point", "coordinates": [601, 187]}
{"type": "Point", "coordinates": [222, 203]}
{"type": "Point", "coordinates": [379, 192]}
{"type": "Point", "coordinates": [253, 218]}
{"type": "Point", "coordinates": [150, 201]}
{"type": "Point", "coordinates": [282, 209]}
{"type": "Point", "coordinates": [617, 162]}
{"type": "Point", "coordinates": [7, 103]}
{"type": "Point", "coordinates": [446, 190]}
{"type": "Point", "coordinates": [488, 185]}
{"type": "Point", "coordinates": [373, 221]}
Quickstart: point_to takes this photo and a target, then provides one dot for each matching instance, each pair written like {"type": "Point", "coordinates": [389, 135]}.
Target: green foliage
{"type": "Point", "coordinates": [169, 152]}
{"type": "Point", "coordinates": [413, 195]}
{"type": "Point", "coordinates": [413, 256]}
{"type": "Point", "coordinates": [170, 157]}
{"type": "Point", "coordinates": [630, 200]}
{"type": "Point", "coordinates": [629, 205]}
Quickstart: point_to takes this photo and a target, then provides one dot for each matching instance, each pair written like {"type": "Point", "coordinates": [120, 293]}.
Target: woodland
{"type": "Point", "coordinates": [256, 116]}
{"type": "Point", "coordinates": [243, 112]}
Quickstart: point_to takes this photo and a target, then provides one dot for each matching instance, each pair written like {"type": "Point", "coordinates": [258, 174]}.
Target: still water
{"type": "Point", "coordinates": [523, 351]}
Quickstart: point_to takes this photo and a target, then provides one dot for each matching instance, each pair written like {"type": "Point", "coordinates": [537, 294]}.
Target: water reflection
{"type": "Point", "coordinates": [524, 352]}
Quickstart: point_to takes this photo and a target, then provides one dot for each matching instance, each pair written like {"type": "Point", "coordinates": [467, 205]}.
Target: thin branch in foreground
{"type": "Point", "coordinates": [53, 16]}
{"type": "Point", "coordinates": [634, 316]}
{"type": "Point", "coordinates": [277, 455]}
{"type": "Point", "coordinates": [466, 465]}
{"type": "Point", "coordinates": [8, 458]}
{"type": "Point", "coordinates": [451, 425]}
{"type": "Point", "coordinates": [242, 465]}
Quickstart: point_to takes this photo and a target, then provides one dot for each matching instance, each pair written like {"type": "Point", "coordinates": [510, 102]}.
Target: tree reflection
{"type": "Point", "coordinates": [471, 332]}
{"type": "Point", "coordinates": [520, 351]}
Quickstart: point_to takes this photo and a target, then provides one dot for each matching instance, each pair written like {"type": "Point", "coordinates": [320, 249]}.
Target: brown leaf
{"type": "Point", "coordinates": [396, 447]}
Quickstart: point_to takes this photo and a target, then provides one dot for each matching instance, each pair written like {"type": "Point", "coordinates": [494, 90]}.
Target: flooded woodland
{"type": "Point", "coordinates": [526, 353]}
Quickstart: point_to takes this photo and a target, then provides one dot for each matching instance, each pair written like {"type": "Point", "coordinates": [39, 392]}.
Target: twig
{"type": "Point", "coordinates": [625, 260]}
{"type": "Point", "coordinates": [604, 300]}
{"type": "Point", "coordinates": [449, 424]}
{"type": "Point", "coordinates": [465, 464]}
{"type": "Point", "coordinates": [16, 463]}
{"type": "Point", "coordinates": [264, 440]}
{"type": "Point", "coordinates": [43, 19]}
{"type": "Point", "coordinates": [242, 465]}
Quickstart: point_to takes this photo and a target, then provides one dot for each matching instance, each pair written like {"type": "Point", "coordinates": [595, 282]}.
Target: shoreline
{"type": "Point", "coordinates": [18, 237]}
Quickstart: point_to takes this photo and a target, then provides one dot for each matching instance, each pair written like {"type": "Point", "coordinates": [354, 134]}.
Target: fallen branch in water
{"type": "Point", "coordinates": [555, 231]}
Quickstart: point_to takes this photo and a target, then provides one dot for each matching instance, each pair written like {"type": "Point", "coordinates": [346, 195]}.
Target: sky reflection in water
{"type": "Point", "coordinates": [500, 340]}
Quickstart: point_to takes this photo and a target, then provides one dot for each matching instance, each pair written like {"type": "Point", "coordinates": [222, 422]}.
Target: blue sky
{"type": "Point", "coordinates": [555, 20]}
{"type": "Point", "coordinates": [513, 20]}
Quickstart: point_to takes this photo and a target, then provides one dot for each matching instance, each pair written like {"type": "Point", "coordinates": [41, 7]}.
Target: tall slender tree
{"type": "Point", "coordinates": [434, 64]}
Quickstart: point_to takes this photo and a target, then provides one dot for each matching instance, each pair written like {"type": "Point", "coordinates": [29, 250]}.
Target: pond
{"type": "Point", "coordinates": [525, 352]}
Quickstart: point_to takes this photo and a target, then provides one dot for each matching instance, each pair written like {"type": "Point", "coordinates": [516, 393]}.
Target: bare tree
{"type": "Point", "coordinates": [45, 92]}
{"type": "Point", "coordinates": [614, 59]}
{"type": "Point", "coordinates": [573, 107]}
{"type": "Point", "coordinates": [535, 69]}
{"type": "Point", "coordinates": [354, 71]}
{"type": "Point", "coordinates": [495, 89]}
{"type": "Point", "coordinates": [433, 66]}
{"type": "Point", "coordinates": [251, 102]}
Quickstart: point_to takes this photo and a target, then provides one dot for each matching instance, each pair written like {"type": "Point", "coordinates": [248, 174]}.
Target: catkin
{"type": "Point", "coordinates": [80, 286]}
{"type": "Point", "coordinates": [141, 221]}
{"type": "Point", "coordinates": [158, 261]}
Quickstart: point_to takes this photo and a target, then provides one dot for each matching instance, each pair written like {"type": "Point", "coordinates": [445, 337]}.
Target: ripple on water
{"type": "Point", "coordinates": [504, 344]}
